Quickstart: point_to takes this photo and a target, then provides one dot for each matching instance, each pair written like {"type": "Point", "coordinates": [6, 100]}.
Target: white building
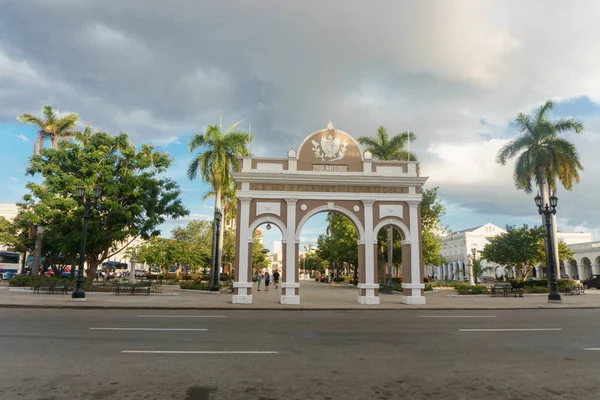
{"type": "Point", "coordinates": [8, 210]}
{"type": "Point", "coordinates": [457, 246]}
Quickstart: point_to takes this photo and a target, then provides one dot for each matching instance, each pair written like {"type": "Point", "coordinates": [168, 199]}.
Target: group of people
{"type": "Point", "coordinates": [267, 278]}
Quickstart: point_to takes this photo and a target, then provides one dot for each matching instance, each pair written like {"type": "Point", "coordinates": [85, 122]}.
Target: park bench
{"type": "Point", "coordinates": [52, 287]}
{"type": "Point", "coordinates": [133, 287]}
{"type": "Point", "coordinates": [506, 289]}
{"type": "Point", "coordinates": [577, 289]}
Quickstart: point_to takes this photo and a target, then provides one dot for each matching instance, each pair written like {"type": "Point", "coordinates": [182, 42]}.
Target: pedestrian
{"type": "Point", "coordinates": [267, 281]}
{"type": "Point", "coordinates": [258, 279]}
{"type": "Point", "coordinates": [319, 276]}
{"type": "Point", "coordinates": [276, 278]}
{"type": "Point", "coordinates": [331, 279]}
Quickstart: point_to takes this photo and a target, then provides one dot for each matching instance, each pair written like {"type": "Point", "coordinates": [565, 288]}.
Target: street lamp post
{"type": "Point", "coordinates": [215, 262]}
{"type": "Point", "coordinates": [86, 202]}
{"type": "Point", "coordinates": [548, 211]}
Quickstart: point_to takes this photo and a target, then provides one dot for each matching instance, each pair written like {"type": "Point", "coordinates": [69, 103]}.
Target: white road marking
{"type": "Point", "coordinates": [180, 316]}
{"type": "Point", "coordinates": [456, 316]}
{"type": "Point", "coordinates": [592, 348]}
{"type": "Point", "coordinates": [511, 330]}
{"type": "Point", "coordinates": [147, 329]}
{"type": "Point", "coordinates": [196, 352]}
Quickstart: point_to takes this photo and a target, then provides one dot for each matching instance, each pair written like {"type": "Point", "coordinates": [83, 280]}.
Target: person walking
{"type": "Point", "coordinates": [267, 281]}
{"type": "Point", "coordinates": [259, 277]}
{"type": "Point", "coordinates": [276, 278]}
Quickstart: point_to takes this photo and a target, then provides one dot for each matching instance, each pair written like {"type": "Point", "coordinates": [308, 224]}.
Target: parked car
{"type": "Point", "coordinates": [154, 271]}
{"type": "Point", "coordinates": [593, 281]}
{"type": "Point", "coordinates": [140, 273]}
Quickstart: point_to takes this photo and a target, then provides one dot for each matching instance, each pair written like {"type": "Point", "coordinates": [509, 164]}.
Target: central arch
{"type": "Point", "coordinates": [359, 228]}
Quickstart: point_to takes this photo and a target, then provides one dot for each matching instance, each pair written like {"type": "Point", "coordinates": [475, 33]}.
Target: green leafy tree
{"type": "Point", "coordinates": [260, 255]}
{"type": "Point", "coordinates": [543, 156]}
{"type": "Point", "coordinates": [432, 211]}
{"type": "Point", "coordinates": [8, 233]}
{"type": "Point", "coordinates": [384, 148]}
{"type": "Point", "coordinates": [216, 160]}
{"type": "Point", "coordinates": [520, 249]}
{"type": "Point", "coordinates": [136, 197]}
{"type": "Point", "coordinates": [51, 126]}
{"type": "Point", "coordinates": [339, 244]}
{"type": "Point", "coordinates": [311, 261]}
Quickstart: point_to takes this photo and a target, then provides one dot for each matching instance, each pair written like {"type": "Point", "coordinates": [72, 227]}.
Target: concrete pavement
{"type": "Point", "coordinates": [313, 296]}
{"type": "Point", "coordinates": [329, 355]}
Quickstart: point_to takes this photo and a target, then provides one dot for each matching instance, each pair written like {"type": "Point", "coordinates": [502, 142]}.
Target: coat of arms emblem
{"type": "Point", "coordinates": [330, 148]}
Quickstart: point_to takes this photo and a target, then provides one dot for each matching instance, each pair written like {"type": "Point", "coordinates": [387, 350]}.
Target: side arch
{"type": "Point", "coordinates": [268, 220]}
{"type": "Point", "coordinates": [359, 228]}
{"type": "Point", "coordinates": [403, 228]}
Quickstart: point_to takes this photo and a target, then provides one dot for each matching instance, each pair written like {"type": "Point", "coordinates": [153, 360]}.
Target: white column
{"type": "Point", "coordinates": [416, 286]}
{"type": "Point", "coordinates": [242, 285]}
{"type": "Point", "coordinates": [288, 288]}
{"type": "Point", "coordinates": [370, 238]}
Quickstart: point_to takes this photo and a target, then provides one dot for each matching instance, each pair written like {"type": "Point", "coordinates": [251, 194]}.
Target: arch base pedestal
{"type": "Point", "coordinates": [242, 299]}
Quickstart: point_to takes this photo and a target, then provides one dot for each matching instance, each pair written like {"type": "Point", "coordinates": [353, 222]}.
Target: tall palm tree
{"type": "Point", "coordinates": [215, 162]}
{"type": "Point", "coordinates": [543, 156]}
{"type": "Point", "coordinates": [384, 148]}
{"type": "Point", "coordinates": [51, 126]}
{"type": "Point", "coordinates": [229, 203]}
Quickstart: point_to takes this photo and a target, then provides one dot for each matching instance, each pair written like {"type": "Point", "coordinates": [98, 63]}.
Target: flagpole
{"type": "Point", "coordinates": [408, 145]}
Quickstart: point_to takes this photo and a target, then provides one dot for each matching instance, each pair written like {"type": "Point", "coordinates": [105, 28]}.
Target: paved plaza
{"type": "Point", "coordinates": [313, 295]}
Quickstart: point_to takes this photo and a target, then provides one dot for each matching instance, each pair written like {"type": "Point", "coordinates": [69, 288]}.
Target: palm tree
{"type": "Point", "coordinates": [229, 203]}
{"type": "Point", "coordinates": [51, 127]}
{"type": "Point", "coordinates": [384, 148]}
{"type": "Point", "coordinates": [543, 156]}
{"type": "Point", "coordinates": [479, 270]}
{"type": "Point", "coordinates": [216, 161]}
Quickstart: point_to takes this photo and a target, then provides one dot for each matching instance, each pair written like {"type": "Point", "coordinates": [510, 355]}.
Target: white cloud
{"type": "Point", "coordinates": [12, 178]}
{"type": "Point", "coordinates": [23, 137]}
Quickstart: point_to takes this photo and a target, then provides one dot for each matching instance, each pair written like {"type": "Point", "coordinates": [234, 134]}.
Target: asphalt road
{"type": "Point", "coordinates": [54, 354]}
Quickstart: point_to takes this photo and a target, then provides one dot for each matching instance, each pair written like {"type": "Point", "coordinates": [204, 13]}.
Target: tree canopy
{"type": "Point", "coordinates": [136, 197]}
{"type": "Point", "coordinates": [521, 249]}
{"type": "Point", "coordinates": [340, 243]}
{"type": "Point", "coordinates": [432, 211]}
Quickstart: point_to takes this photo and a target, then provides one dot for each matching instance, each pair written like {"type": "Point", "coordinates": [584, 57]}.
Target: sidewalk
{"type": "Point", "coordinates": [313, 296]}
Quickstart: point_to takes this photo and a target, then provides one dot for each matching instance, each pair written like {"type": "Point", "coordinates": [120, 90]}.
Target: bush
{"type": "Point", "coordinates": [563, 284]}
{"type": "Point", "coordinates": [155, 277]}
{"type": "Point", "coordinates": [428, 287]}
{"type": "Point", "coordinates": [535, 289]}
{"type": "Point", "coordinates": [191, 277]}
{"type": "Point", "coordinates": [30, 281]}
{"type": "Point", "coordinates": [426, 279]}
{"type": "Point", "coordinates": [397, 279]}
{"type": "Point", "coordinates": [531, 283]}
{"type": "Point", "coordinates": [464, 288]}
{"type": "Point", "coordinates": [190, 285]}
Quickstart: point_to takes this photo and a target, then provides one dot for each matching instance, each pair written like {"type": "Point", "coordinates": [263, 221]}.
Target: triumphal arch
{"type": "Point", "coordinates": [329, 172]}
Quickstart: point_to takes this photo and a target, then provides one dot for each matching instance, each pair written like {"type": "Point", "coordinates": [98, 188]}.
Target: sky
{"type": "Point", "coordinates": [454, 72]}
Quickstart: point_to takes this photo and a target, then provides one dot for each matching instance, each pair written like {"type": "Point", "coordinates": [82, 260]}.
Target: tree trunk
{"type": "Point", "coordinates": [37, 251]}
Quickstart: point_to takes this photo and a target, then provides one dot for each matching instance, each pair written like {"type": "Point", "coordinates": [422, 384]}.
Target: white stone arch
{"type": "Point", "coordinates": [359, 228]}
{"type": "Point", "coordinates": [403, 228]}
{"type": "Point", "coordinates": [268, 220]}
{"type": "Point", "coordinates": [586, 268]}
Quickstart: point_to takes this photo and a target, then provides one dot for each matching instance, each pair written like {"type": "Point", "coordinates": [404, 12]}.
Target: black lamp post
{"type": "Point", "coordinates": [86, 202]}
{"type": "Point", "coordinates": [215, 262]}
{"type": "Point", "coordinates": [548, 211]}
